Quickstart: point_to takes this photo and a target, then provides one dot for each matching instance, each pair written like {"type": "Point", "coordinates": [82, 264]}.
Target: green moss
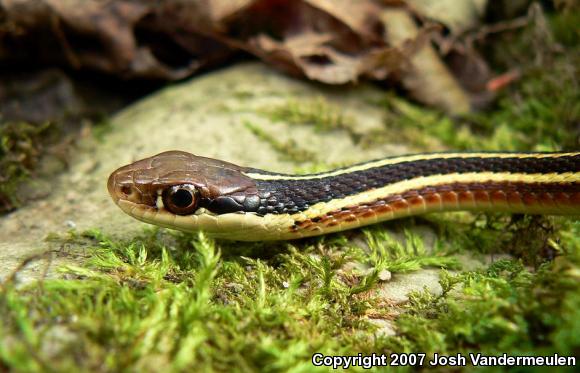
{"type": "Point", "coordinates": [316, 112]}
{"type": "Point", "coordinates": [20, 150]}
{"type": "Point", "coordinates": [180, 309]}
{"type": "Point", "coordinates": [289, 150]}
{"type": "Point", "coordinates": [175, 301]}
{"type": "Point", "coordinates": [425, 128]}
{"type": "Point", "coordinates": [542, 113]}
{"type": "Point", "coordinates": [410, 254]}
{"type": "Point", "coordinates": [101, 128]}
{"type": "Point", "coordinates": [564, 26]}
{"type": "Point", "coordinates": [502, 308]}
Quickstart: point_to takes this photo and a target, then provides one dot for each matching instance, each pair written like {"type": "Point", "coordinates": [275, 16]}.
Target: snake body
{"type": "Point", "coordinates": [187, 192]}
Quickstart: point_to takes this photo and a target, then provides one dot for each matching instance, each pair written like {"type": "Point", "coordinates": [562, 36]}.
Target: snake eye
{"type": "Point", "coordinates": [180, 199]}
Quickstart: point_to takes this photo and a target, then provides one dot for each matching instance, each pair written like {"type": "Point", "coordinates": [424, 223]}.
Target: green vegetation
{"type": "Point", "coordinates": [183, 306]}
{"type": "Point", "coordinates": [500, 309]}
{"type": "Point", "coordinates": [317, 112]}
{"type": "Point", "coordinates": [289, 150]}
{"type": "Point", "coordinates": [20, 149]}
{"type": "Point", "coordinates": [180, 302]}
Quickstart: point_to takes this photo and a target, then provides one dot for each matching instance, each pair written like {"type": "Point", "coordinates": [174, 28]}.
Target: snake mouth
{"type": "Point", "coordinates": [136, 210]}
{"type": "Point", "coordinates": [123, 188]}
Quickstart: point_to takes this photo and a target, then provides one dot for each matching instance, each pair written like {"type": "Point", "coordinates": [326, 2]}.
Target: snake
{"type": "Point", "coordinates": [179, 190]}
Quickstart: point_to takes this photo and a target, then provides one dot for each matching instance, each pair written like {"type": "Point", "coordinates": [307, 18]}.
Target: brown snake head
{"type": "Point", "coordinates": [183, 182]}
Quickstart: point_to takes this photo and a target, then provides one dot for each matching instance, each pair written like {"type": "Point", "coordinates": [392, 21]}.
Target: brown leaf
{"type": "Point", "coordinates": [334, 42]}
{"type": "Point", "coordinates": [309, 54]}
{"type": "Point", "coordinates": [457, 15]}
{"type": "Point", "coordinates": [331, 41]}
{"type": "Point", "coordinates": [121, 37]}
{"type": "Point", "coordinates": [427, 77]}
{"type": "Point", "coordinates": [359, 16]}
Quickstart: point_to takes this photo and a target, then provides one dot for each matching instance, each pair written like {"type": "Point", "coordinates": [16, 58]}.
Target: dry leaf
{"type": "Point", "coordinates": [331, 41]}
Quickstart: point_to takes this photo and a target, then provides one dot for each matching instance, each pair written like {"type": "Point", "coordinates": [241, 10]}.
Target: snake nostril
{"type": "Point", "coordinates": [126, 189]}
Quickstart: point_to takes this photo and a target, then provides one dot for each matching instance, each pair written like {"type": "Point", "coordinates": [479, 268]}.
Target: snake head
{"type": "Point", "coordinates": [177, 182]}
